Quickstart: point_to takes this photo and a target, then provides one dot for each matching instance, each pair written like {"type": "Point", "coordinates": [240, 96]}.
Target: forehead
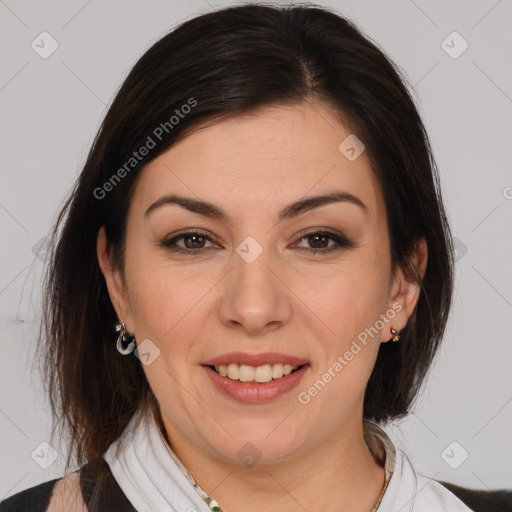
{"type": "Point", "coordinates": [262, 161]}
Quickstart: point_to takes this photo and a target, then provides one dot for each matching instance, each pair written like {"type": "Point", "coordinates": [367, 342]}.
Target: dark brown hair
{"type": "Point", "coordinates": [229, 62]}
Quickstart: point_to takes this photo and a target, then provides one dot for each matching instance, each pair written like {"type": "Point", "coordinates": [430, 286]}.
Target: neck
{"type": "Point", "coordinates": [338, 475]}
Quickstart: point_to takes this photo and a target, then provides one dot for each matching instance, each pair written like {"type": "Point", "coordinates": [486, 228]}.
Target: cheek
{"type": "Point", "coordinates": [349, 304]}
{"type": "Point", "coordinates": [347, 298]}
{"type": "Point", "coordinates": [166, 307]}
{"type": "Point", "coordinates": [167, 302]}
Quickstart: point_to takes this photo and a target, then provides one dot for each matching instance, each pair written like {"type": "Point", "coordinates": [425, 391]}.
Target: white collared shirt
{"type": "Point", "coordinates": [153, 478]}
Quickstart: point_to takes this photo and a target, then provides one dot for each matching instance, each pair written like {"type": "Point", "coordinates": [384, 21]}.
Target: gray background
{"type": "Point", "coordinates": [51, 109]}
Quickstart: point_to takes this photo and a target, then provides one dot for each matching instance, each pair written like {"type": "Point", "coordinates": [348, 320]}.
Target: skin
{"type": "Point", "coordinates": [196, 307]}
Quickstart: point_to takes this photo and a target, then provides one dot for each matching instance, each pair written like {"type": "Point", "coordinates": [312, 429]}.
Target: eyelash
{"type": "Point", "coordinates": [340, 242]}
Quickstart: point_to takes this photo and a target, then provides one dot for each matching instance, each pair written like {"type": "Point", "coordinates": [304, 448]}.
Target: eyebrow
{"type": "Point", "coordinates": [293, 210]}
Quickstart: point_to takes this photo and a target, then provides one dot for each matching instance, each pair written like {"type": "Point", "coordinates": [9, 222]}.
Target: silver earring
{"type": "Point", "coordinates": [125, 343]}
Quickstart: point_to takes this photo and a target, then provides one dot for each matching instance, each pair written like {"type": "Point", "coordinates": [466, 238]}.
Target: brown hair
{"type": "Point", "coordinates": [230, 62]}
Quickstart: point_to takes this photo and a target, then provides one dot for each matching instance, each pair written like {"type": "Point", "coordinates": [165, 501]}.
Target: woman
{"type": "Point", "coordinates": [253, 270]}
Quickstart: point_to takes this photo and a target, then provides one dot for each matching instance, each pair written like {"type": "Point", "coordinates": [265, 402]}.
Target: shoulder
{"type": "Point", "coordinates": [57, 495]}
{"type": "Point", "coordinates": [479, 500]}
{"type": "Point", "coordinates": [35, 499]}
{"type": "Point", "coordinates": [437, 494]}
{"type": "Point", "coordinates": [67, 495]}
{"type": "Point", "coordinates": [92, 487]}
{"type": "Point", "coordinates": [421, 493]}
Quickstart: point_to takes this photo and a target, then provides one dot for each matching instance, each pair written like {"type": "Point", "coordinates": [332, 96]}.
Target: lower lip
{"type": "Point", "coordinates": [254, 392]}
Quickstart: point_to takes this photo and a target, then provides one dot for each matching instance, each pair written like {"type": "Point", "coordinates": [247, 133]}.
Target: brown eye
{"type": "Point", "coordinates": [192, 241]}
{"type": "Point", "coordinates": [319, 240]}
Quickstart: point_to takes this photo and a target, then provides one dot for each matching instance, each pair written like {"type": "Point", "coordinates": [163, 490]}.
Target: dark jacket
{"type": "Point", "coordinates": [101, 493]}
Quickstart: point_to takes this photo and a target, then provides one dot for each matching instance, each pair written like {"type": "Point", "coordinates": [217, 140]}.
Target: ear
{"type": "Point", "coordinates": [405, 291]}
{"type": "Point", "coordinates": [114, 280]}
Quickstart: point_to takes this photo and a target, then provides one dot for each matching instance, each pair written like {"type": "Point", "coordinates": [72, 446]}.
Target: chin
{"type": "Point", "coordinates": [256, 444]}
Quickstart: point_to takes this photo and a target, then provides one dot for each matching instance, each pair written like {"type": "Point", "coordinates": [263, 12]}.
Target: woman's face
{"type": "Point", "coordinates": [261, 277]}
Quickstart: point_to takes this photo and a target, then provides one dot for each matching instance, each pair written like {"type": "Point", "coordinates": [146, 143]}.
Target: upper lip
{"type": "Point", "coordinates": [255, 359]}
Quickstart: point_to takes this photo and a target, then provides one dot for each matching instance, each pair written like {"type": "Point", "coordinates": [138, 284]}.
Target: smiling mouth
{"type": "Point", "coordinates": [255, 374]}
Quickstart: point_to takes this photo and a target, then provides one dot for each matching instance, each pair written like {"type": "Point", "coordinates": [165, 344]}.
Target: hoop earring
{"type": "Point", "coordinates": [125, 343]}
{"type": "Point", "coordinates": [395, 333]}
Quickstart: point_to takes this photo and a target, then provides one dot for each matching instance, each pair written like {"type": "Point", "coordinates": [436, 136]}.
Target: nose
{"type": "Point", "coordinates": [255, 296]}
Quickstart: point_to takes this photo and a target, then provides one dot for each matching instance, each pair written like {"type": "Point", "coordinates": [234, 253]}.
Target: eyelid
{"type": "Point", "coordinates": [340, 240]}
{"type": "Point", "coordinates": [319, 229]}
{"type": "Point", "coordinates": [191, 231]}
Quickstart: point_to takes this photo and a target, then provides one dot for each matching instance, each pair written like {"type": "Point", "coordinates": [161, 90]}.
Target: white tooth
{"type": "Point", "coordinates": [233, 371]}
{"type": "Point", "coordinates": [277, 371]}
{"type": "Point", "coordinates": [263, 373]}
{"type": "Point", "coordinates": [246, 373]}
{"type": "Point", "coordinates": [287, 369]}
